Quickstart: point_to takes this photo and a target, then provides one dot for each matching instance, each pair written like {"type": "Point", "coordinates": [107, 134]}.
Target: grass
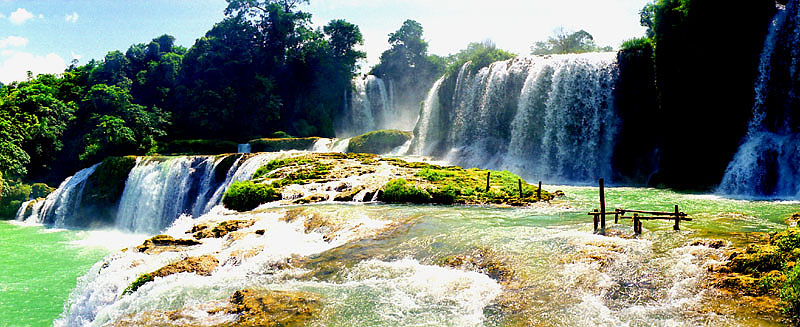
{"type": "Point", "coordinates": [246, 196]}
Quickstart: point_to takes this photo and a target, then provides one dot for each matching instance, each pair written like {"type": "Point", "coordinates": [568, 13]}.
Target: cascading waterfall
{"type": "Point", "coordinates": [60, 207]}
{"type": "Point", "coordinates": [371, 107]}
{"type": "Point", "coordinates": [159, 191]}
{"type": "Point", "coordinates": [767, 164]}
{"type": "Point", "coordinates": [551, 117]}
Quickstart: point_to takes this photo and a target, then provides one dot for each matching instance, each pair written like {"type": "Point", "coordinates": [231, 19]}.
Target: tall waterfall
{"type": "Point", "coordinates": [551, 117]}
{"type": "Point", "coordinates": [371, 107]}
{"type": "Point", "coordinates": [768, 162]}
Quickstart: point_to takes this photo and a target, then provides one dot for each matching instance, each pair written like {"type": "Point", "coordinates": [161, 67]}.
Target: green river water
{"type": "Point", "coordinates": [650, 281]}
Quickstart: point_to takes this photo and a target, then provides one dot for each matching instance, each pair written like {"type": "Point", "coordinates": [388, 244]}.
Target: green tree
{"type": "Point", "coordinates": [344, 37]}
{"type": "Point", "coordinates": [563, 41]}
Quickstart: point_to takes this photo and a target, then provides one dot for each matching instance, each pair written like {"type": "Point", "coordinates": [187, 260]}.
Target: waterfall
{"type": "Point", "coordinates": [371, 107]}
{"type": "Point", "coordinates": [325, 145]}
{"type": "Point", "coordinates": [159, 191]}
{"type": "Point", "coordinates": [550, 117]}
{"type": "Point", "coordinates": [767, 163]}
{"type": "Point", "coordinates": [60, 208]}
{"type": "Point", "coordinates": [244, 148]}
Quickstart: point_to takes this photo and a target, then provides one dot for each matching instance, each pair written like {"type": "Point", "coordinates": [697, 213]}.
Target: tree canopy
{"type": "Point", "coordinates": [563, 41]}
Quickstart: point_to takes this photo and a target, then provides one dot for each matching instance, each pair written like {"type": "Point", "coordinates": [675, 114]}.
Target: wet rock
{"type": "Point", "coordinates": [348, 195]}
{"type": "Point", "coordinates": [205, 230]}
{"type": "Point", "coordinates": [260, 232]}
{"type": "Point", "coordinates": [559, 194]}
{"type": "Point", "coordinates": [793, 220]}
{"type": "Point", "coordinates": [714, 244]}
{"type": "Point", "coordinates": [164, 243]}
{"type": "Point", "coordinates": [314, 198]}
{"type": "Point", "coordinates": [273, 308]}
{"type": "Point", "coordinates": [202, 266]}
{"type": "Point", "coordinates": [484, 261]}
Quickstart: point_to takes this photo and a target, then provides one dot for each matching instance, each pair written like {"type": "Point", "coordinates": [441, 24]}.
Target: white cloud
{"type": "Point", "coordinates": [73, 17]}
{"type": "Point", "coordinates": [2, 16]}
{"type": "Point", "coordinates": [20, 16]}
{"type": "Point", "coordinates": [14, 65]}
{"type": "Point", "coordinates": [41, 16]}
{"type": "Point", "coordinates": [13, 41]}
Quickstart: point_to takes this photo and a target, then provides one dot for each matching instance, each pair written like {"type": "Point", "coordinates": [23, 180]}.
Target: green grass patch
{"type": "Point", "coordinates": [245, 196]}
{"type": "Point", "coordinates": [378, 142]}
{"type": "Point", "coordinates": [401, 191]}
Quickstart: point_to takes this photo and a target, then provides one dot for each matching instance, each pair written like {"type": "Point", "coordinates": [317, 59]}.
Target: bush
{"type": "Point", "coordinates": [245, 196]}
{"type": "Point", "coordinates": [197, 147]}
{"type": "Point", "coordinates": [400, 191]}
{"type": "Point", "coordinates": [14, 194]}
{"type": "Point", "coordinates": [378, 142]}
{"type": "Point", "coordinates": [636, 44]}
{"type": "Point", "coordinates": [790, 294]}
{"type": "Point", "coordinates": [40, 190]}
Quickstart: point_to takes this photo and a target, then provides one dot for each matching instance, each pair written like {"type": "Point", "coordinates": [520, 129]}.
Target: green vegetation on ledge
{"type": "Point", "coordinates": [378, 142]}
{"type": "Point", "coordinates": [245, 196]}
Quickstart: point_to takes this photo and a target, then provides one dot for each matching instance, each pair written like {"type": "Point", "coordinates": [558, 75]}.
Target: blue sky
{"type": "Point", "coordinates": [45, 35]}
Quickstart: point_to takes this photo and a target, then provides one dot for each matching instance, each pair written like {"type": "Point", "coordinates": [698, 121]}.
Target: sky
{"type": "Point", "coordinates": [44, 36]}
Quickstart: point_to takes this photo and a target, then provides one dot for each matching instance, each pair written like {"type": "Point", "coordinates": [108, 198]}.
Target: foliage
{"type": "Point", "coordinates": [196, 147]}
{"type": "Point", "coordinates": [563, 41]}
{"type": "Point", "coordinates": [305, 169]}
{"type": "Point", "coordinates": [13, 195]}
{"type": "Point", "coordinates": [401, 191]}
{"type": "Point", "coordinates": [790, 294]}
{"type": "Point", "coordinates": [637, 44]}
{"type": "Point", "coordinates": [480, 55]}
{"type": "Point", "coordinates": [141, 280]}
{"type": "Point", "coordinates": [246, 196]}
{"type": "Point", "coordinates": [378, 142]}
{"type": "Point", "coordinates": [40, 190]}
{"type": "Point", "coordinates": [105, 186]}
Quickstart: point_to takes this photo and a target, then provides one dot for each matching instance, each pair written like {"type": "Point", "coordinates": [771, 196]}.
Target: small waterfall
{"type": "Point", "coordinates": [159, 191]}
{"type": "Point", "coordinates": [549, 117]}
{"type": "Point", "coordinates": [325, 145]}
{"type": "Point", "coordinates": [60, 208]}
{"type": "Point", "coordinates": [767, 164]}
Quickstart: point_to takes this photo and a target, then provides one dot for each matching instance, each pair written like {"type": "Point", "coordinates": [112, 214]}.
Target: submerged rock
{"type": "Point", "coordinates": [484, 261]}
{"type": "Point", "coordinates": [202, 266]}
{"type": "Point", "coordinates": [204, 230]}
{"type": "Point", "coordinates": [273, 308]}
{"type": "Point", "coordinates": [164, 243]}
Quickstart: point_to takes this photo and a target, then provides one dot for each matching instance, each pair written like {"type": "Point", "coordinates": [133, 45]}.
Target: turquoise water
{"type": "Point", "coordinates": [396, 279]}
{"type": "Point", "coordinates": [38, 270]}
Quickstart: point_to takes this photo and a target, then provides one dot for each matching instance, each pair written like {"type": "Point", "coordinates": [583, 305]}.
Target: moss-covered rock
{"type": "Point", "coordinates": [378, 142]}
{"type": "Point", "coordinates": [282, 144]}
{"type": "Point", "coordinates": [195, 147]}
{"type": "Point", "coordinates": [217, 230]}
{"type": "Point", "coordinates": [401, 191]}
{"type": "Point", "coordinates": [313, 198]}
{"type": "Point", "coordinates": [202, 265]}
{"type": "Point", "coordinates": [164, 243]}
{"type": "Point", "coordinates": [246, 196]}
{"type": "Point", "coordinates": [14, 194]}
{"type": "Point", "coordinates": [105, 186]}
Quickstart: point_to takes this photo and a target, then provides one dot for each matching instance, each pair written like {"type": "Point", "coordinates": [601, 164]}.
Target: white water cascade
{"type": "Point", "coordinates": [551, 117]}
{"type": "Point", "coordinates": [159, 191]}
{"type": "Point", "coordinates": [61, 206]}
{"type": "Point", "coordinates": [767, 164]}
{"type": "Point", "coordinates": [371, 107]}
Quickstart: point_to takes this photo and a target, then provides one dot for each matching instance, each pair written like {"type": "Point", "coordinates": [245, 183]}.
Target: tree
{"type": "Point", "coordinates": [647, 18]}
{"type": "Point", "coordinates": [344, 37]}
{"type": "Point", "coordinates": [563, 41]}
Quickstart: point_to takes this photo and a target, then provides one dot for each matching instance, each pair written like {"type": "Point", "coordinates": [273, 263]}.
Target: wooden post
{"type": "Point", "coordinates": [602, 205]}
{"type": "Point", "coordinates": [539, 192]}
{"type": "Point", "coordinates": [488, 176]}
{"type": "Point", "coordinates": [520, 187]}
{"type": "Point", "coordinates": [636, 227]}
{"type": "Point", "coordinates": [677, 219]}
{"type": "Point", "coordinates": [595, 221]}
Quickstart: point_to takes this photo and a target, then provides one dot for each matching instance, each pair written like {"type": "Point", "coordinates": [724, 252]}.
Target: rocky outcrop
{"type": "Point", "coordinates": [164, 243]}
{"type": "Point", "coordinates": [217, 230]}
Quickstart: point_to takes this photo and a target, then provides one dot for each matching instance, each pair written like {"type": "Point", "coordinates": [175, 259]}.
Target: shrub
{"type": "Point", "coordinates": [790, 294]}
{"type": "Point", "coordinates": [245, 196]}
{"type": "Point", "coordinates": [636, 44]}
{"type": "Point", "coordinates": [378, 142]}
{"type": "Point", "coordinates": [40, 190]}
{"type": "Point", "coordinates": [400, 191]}
{"type": "Point", "coordinates": [14, 194]}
